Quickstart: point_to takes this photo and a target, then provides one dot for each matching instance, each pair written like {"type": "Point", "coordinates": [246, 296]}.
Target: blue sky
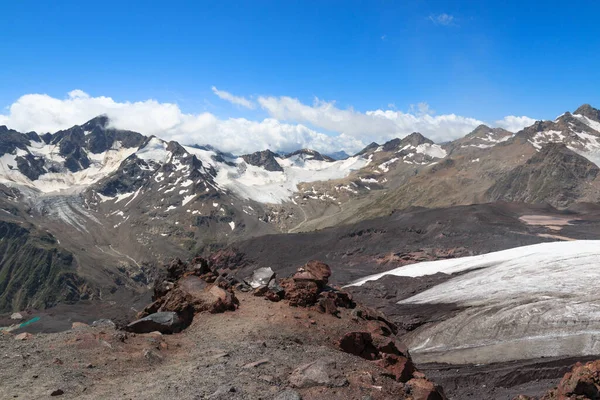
{"type": "Point", "coordinates": [484, 60]}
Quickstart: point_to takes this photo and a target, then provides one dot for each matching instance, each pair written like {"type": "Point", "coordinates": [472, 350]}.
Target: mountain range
{"type": "Point", "coordinates": [90, 211]}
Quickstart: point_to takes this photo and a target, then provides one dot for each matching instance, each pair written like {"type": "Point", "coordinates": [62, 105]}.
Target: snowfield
{"type": "Point", "coordinates": [521, 303]}
{"type": "Point", "coordinates": [256, 183]}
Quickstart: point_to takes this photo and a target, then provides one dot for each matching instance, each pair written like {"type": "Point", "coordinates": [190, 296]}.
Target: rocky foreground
{"type": "Point", "coordinates": [210, 335]}
{"type": "Point", "coordinates": [262, 338]}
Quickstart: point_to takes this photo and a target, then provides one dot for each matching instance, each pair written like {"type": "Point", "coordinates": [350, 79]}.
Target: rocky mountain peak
{"type": "Point", "coordinates": [415, 139]}
{"type": "Point", "coordinates": [265, 159]}
{"type": "Point", "coordinates": [310, 154]}
{"type": "Point", "coordinates": [588, 111]}
{"type": "Point", "coordinates": [101, 121]}
{"type": "Point", "coordinates": [371, 147]}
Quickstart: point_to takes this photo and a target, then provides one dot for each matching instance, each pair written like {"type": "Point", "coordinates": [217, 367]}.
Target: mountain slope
{"type": "Point", "coordinates": [554, 175]}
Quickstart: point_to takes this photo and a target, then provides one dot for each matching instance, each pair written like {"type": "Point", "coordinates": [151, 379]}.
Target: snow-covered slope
{"type": "Point", "coordinates": [526, 302]}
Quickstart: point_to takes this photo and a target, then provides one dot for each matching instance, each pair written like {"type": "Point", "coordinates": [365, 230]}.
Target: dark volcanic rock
{"type": "Point", "coordinates": [265, 159]}
{"type": "Point", "coordinates": [30, 166]}
{"type": "Point", "coordinates": [163, 322]}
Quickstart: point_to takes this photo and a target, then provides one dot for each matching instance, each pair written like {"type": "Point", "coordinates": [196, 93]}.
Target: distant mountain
{"type": "Point", "coordinates": [119, 202]}
{"type": "Point", "coordinates": [554, 175]}
{"type": "Point", "coordinates": [339, 155]}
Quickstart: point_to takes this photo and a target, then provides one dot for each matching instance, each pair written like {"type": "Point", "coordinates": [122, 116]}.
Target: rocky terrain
{"type": "Point", "coordinates": [323, 346]}
{"type": "Point", "coordinates": [88, 215]}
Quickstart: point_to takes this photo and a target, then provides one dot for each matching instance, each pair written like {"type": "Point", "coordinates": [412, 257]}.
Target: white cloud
{"type": "Point", "coordinates": [378, 125]}
{"type": "Point", "coordinates": [291, 124]}
{"type": "Point", "coordinates": [240, 101]}
{"type": "Point", "coordinates": [43, 113]}
{"type": "Point", "coordinates": [514, 124]}
{"type": "Point", "coordinates": [442, 19]}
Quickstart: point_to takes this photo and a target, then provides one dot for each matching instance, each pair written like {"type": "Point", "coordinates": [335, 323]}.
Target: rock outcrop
{"type": "Point", "coordinates": [581, 383]}
{"type": "Point", "coordinates": [187, 289]}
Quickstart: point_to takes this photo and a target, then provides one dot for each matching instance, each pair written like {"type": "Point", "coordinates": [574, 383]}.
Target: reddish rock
{"type": "Point", "coordinates": [314, 271]}
{"type": "Point", "coordinates": [300, 293]}
{"type": "Point", "coordinates": [369, 314]}
{"type": "Point", "coordinates": [422, 389]}
{"type": "Point", "coordinates": [192, 295]}
{"type": "Point", "coordinates": [379, 328]}
{"type": "Point", "coordinates": [330, 300]}
{"type": "Point", "coordinates": [360, 344]}
{"type": "Point", "coordinates": [401, 368]}
{"type": "Point", "coordinates": [582, 382]}
{"type": "Point", "coordinates": [389, 345]}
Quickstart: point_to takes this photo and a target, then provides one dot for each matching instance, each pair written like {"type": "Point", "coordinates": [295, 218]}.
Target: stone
{"type": "Point", "coordinates": [23, 336]}
{"type": "Point", "coordinates": [57, 392]}
{"type": "Point", "coordinates": [193, 295]}
{"type": "Point", "coordinates": [152, 356]}
{"type": "Point", "coordinates": [360, 344]}
{"type": "Point", "coordinates": [322, 372]}
{"type": "Point", "coordinates": [369, 314]}
{"type": "Point", "coordinates": [583, 381]}
{"type": "Point", "coordinates": [390, 345]}
{"type": "Point", "coordinates": [260, 277]}
{"type": "Point", "coordinates": [288, 394]}
{"type": "Point", "coordinates": [400, 368]}
{"type": "Point", "coordinates": [422, 389]}
{"type": "Point", "coordinates": [79, 325]}
{"type": "Point", "coordinates": [315, 271]}
{"type": "Point", "coordinates": [17, 316]}
{"type": "Point", "coordinates": [164, 322]}
{"type": "Point", "coordinates": [223, 392]}
{"type": "Point", "coordinates": [330, 300]}
{"type": "Point", "coordinates": [256, 363]}
{"type": "Point", "coordinates": [104, 323]}
{"type": "Point", "coordinates": [300, 293]}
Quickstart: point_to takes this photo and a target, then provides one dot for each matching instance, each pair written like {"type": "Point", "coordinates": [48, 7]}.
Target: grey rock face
{"type": "Point", "coordinates": [261, 277]}
{"type": "Point", "coordinates": [265, 159]}
{"type": "Point", "coordinates": [163, 322]}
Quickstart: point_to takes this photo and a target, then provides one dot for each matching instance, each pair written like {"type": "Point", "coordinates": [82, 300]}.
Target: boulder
{"type": "Point", "coordinates": [389, 345]}
{"type": "Point", "coordinates": [369, 314]}
{"type": "Point", "coordinates": [330, 300]}
{"type": "Point", "coordinates": [79, 325]}
{"type": "Point", "coordinates": [422, 389]}
{"type": "Point", "coordinates": [322, 372]}
{"type": "Point", "coordinates": [23, 336]}
{"type": "Point", "coordinates": [314, 271]}
{"type": "Point", "coordinates": [193, 295]}
{"type": "Point", "coordinates": [303, 293]}
{"type": "Point", "coordinates": [400, 368]}
{"type": "Point", "coordinates": [17, 316]}
{"type": "Point", "coordinates": [163, 322]}
{"type": "Point", "coordinates": [360, 344]}
{"type": "Point", "coordinates": [582, 382]}
{"type": "Point", "coordinates": [176, 269]}
{"type": "Point", "coordinates": [260, 277]}
{"type": "Point", "coordinates": [104, 323]}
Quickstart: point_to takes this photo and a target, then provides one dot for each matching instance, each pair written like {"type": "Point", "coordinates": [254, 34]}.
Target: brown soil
{"type": "Point", "coordinates": [215, 353]}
